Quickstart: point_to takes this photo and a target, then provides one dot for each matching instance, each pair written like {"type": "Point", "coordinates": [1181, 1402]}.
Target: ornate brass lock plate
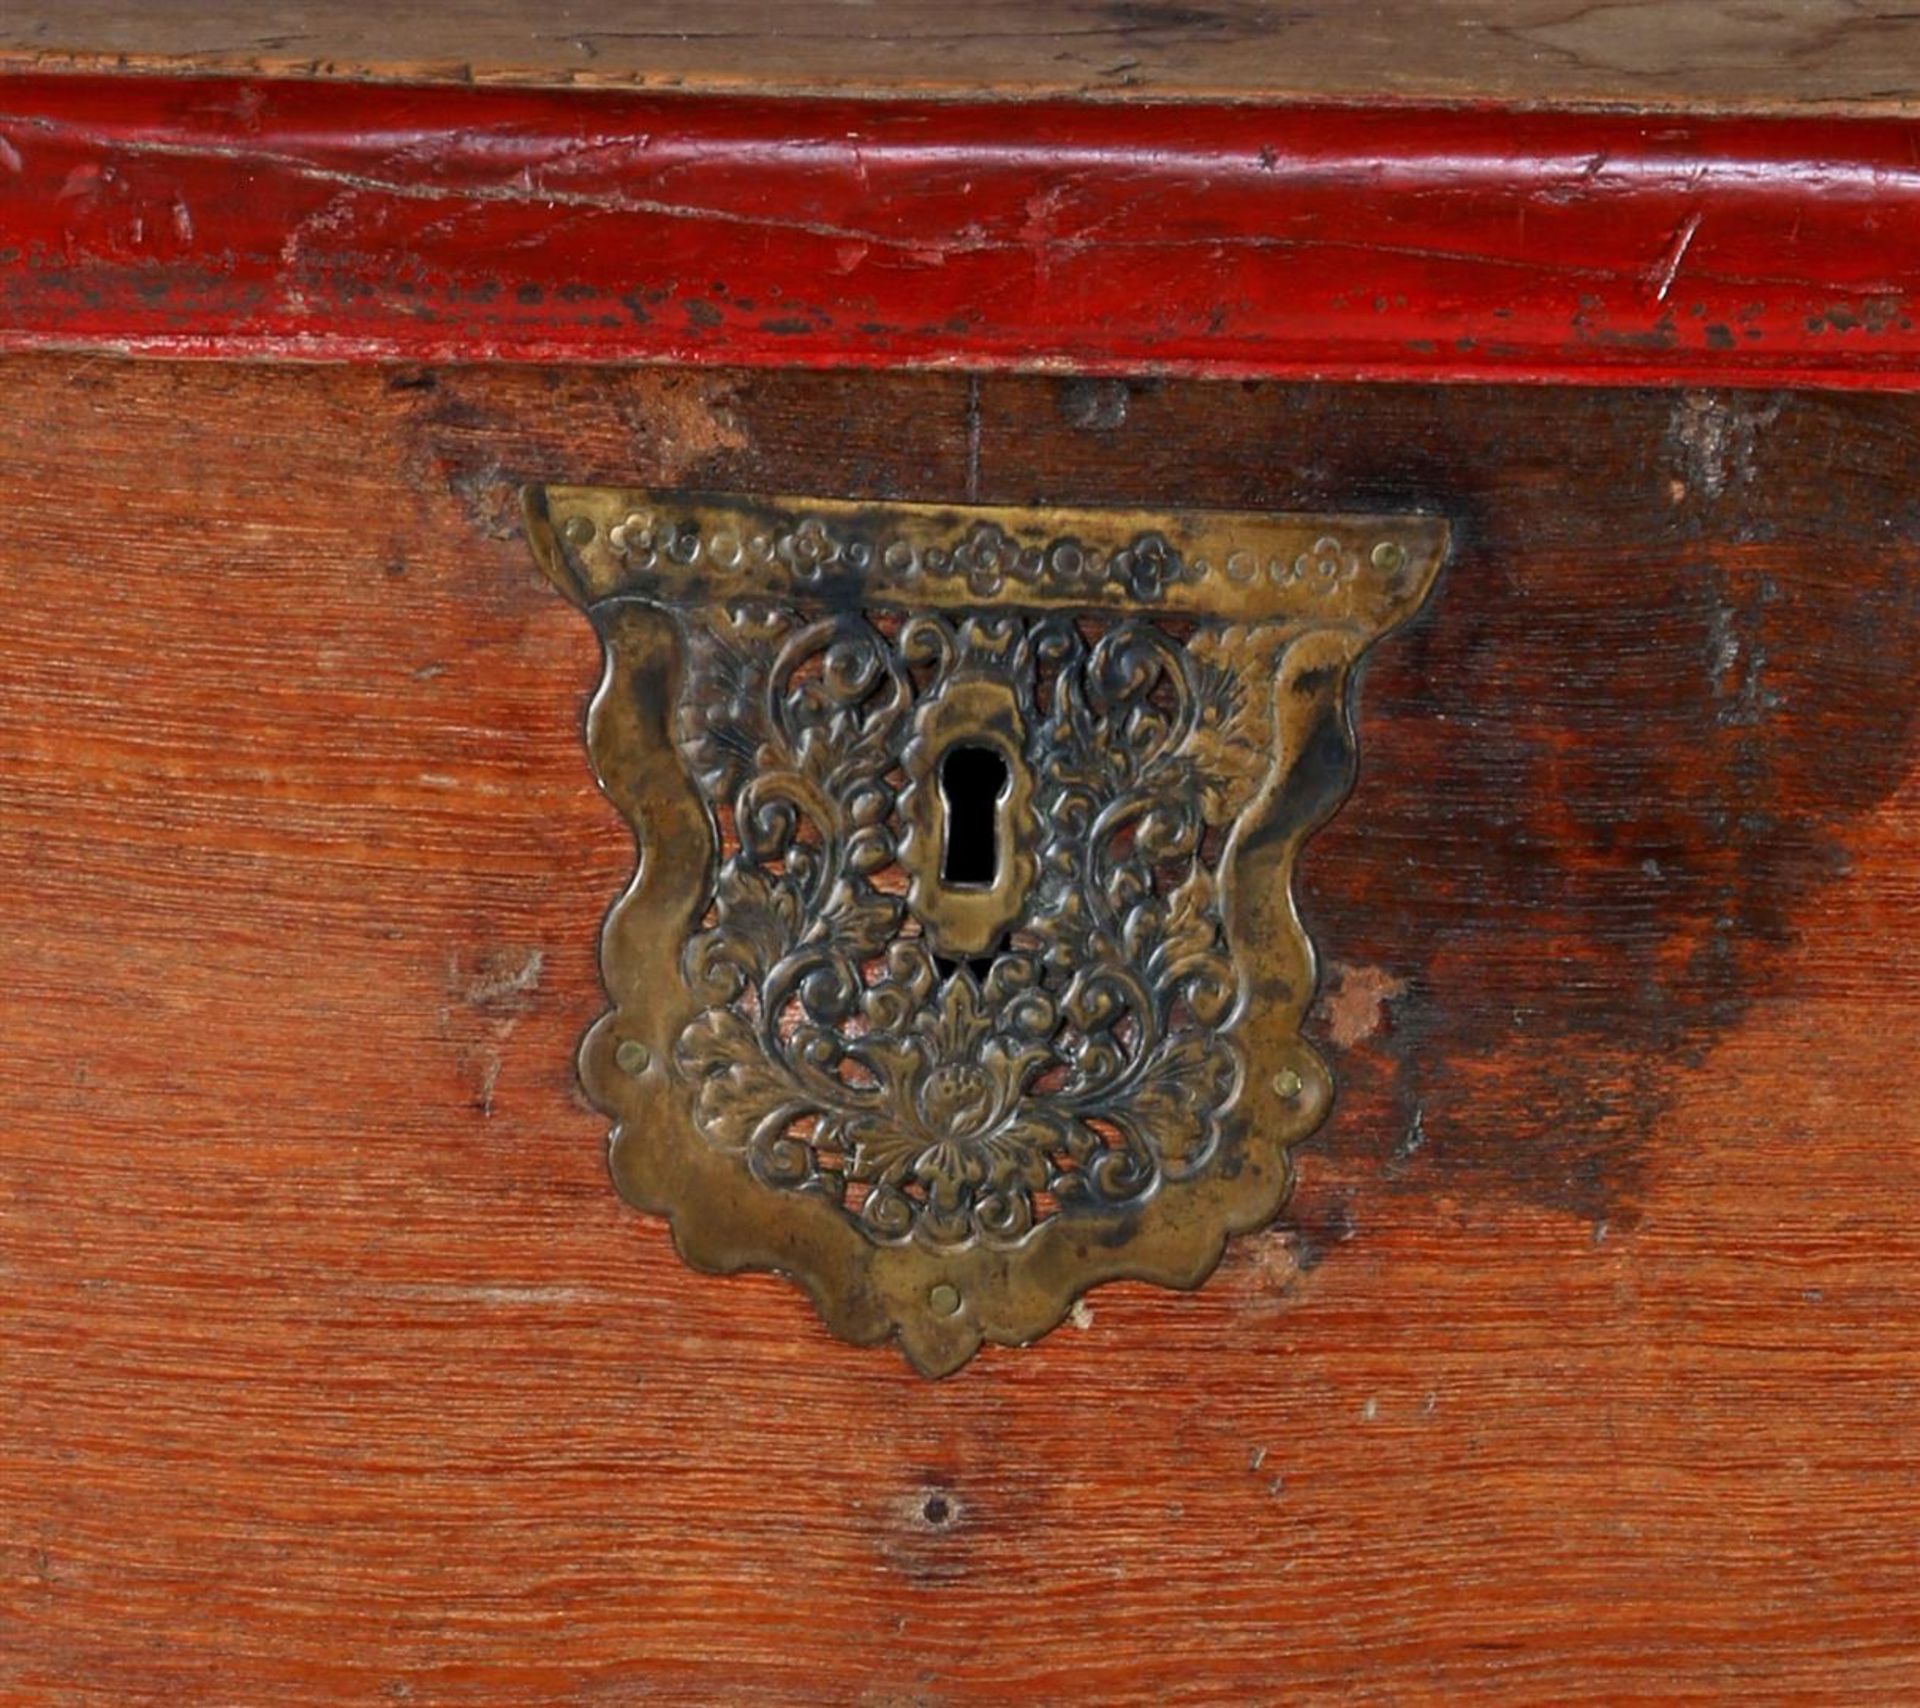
{"type": "Point", "coordinates": [961, 971]}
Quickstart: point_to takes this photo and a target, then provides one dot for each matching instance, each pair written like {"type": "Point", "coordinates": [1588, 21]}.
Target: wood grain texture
{"type": "Point", "coordinates": [1833, 55]}
{"type": "Point", "coordinates": [213, 217]}
{"type": "Point", "coordinates": [331, 1369]}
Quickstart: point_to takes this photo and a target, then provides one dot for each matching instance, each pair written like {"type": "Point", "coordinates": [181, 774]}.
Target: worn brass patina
{"type": "Point", "coordinates": [947, 1101]}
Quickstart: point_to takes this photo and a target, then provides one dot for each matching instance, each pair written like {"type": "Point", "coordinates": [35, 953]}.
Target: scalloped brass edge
{"type": "Point", "coordinates": [1015, 1294]}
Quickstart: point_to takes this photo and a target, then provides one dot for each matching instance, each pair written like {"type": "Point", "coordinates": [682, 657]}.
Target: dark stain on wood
{"type": "Point", "coordinates": [1603, 774]}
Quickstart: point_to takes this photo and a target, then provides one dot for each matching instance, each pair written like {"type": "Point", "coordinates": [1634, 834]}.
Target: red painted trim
{"type": "Point", "coordinates": [210, 217]}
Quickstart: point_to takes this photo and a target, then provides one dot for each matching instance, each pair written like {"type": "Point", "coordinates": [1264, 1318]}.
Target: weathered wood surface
{"type": "Point", "coordinates": [331, 1369]}
{"type": "Point", "coordinates": [1835, 55]}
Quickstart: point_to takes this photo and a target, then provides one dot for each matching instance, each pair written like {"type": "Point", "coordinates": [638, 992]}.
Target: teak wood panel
{"type": "Point", "coordinates": [332, 1370]}
{"type": "Point", "coordinates": [1659, 54]}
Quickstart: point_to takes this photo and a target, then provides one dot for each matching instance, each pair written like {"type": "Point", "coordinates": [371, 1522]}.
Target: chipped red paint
{"type": "Point", "coordinates": [215, 217]}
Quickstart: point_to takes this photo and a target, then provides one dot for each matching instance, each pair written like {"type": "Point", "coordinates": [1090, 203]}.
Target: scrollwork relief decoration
{"type": "Point", "coordinates": [947, 1113]}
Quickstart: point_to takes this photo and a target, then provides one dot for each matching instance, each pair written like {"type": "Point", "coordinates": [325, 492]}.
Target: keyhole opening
{"type": "Point", "coordinates": [973, 782]}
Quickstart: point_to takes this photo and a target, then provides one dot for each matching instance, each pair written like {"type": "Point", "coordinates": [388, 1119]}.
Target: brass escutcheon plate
{"type": "Point", "coordinates": [949, 1056]}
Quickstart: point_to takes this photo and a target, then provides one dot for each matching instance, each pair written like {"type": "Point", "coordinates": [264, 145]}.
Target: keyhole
{"type": "Point", "coordinates": [973, 781]}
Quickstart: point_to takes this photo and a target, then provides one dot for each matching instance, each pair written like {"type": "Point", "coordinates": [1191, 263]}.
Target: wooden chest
{"type": "Point", "coordinates": [1582, 1361]}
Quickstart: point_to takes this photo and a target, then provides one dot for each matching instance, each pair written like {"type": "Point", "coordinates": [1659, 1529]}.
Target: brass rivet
{"type": "Point", "coordinates": [945, 1299]}
{"type": "Point", "coordinates": [579, 530]}
{"type": "Point", "coordinates": [633, 1057]}
{"type": "Point", "coordinates": [1288, 1083]}
{"type": "Point", "coordinates": [1387, 556]}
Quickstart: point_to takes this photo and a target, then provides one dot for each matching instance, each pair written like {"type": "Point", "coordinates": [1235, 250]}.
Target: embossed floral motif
{"type": "Point", "coordinates": [1328, 563]}
{"type": "Point", "coordinates": [953, 1064]}
{"type": "Point", "coordinates": [1146, 566]}
{"type": "Point", "coordinates": [809, 548]}
{"type": "Point", "coordinates": [1088, 1057]}
{"type": "Point", "coordinates": [645, 542]}
{"type": "Point", "coordinates": [988, 558]}
{"type": "Point", "coordinates": [635, 539]}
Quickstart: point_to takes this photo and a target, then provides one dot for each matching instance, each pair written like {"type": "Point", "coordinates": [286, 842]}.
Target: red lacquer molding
{"type": "Point", "coordinates": [214, 217]}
